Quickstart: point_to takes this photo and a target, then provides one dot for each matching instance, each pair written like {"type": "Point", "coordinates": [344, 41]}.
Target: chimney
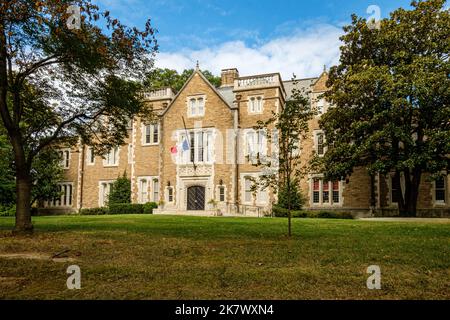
{"type": "Point", "coordinates": [228, 77]}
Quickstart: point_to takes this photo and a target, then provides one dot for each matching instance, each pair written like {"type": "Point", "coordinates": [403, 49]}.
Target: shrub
{"type": "Point", "coordinates": [126, 208]}
{"type": "Point", "coordinates": [334, 215]}
{"type": "Point", "coordinates": [281, 212]}
{"type": "Point", "coordinates": [7, 211]}
{"type": "Point", "coordinates": [149, 206]}
{"type": "Point", "coordinates": [120, 191]}
{"type": "Point", "coordinates": [94, 211]}
{"type": "Point", "coordinates": [296, 199]}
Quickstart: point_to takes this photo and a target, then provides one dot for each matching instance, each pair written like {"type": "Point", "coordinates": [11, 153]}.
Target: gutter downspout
{"type": "Point", "coordinates": [236, 152]}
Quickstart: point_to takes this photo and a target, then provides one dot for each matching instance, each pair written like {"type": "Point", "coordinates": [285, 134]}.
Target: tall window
{"type": "Point", "coordinates": [439, 190]}
{"type": "Point", "coordinates": [143, 190]}
{"type": "Point", "coordinates": [112, 158]}
{"type": "Point", "coordinates": [65, 200]}
{"type": "Point", "coordinates": [156, 190]}
{"type": "Point", "coordinates": [221, 191]}
{"type": "Point", "coordinates": [198, 148]}
{"type": "Point", "coordinates": [170, 194]}
{"type": "Point", "coordinates": [64, 156]}
{"type": "Point", "coordinates": [395, 190]}
{"type": "Point", "coordinates": [320, 105]}
{"type": "Point", "coordinates": [90, 156]}
{"type": "Point", "coordinates": [256, 144]}
{"type": "Point", "coordinates": [105, 190]}
{"type": "Point", "coordinates": [321, 192]}
{"type": "Point", "coordinates": [248, 196]}
{"type": "Point", "coordinates": [196, 107]}
{"type": "Point", "coordinates": [319, 141]}
{"type": "Point", "coordinates": [130, 153]}
{"type": "Point", "coordinates": [151, 134]}
{"type": "Point", "coordinates": [255, 104]}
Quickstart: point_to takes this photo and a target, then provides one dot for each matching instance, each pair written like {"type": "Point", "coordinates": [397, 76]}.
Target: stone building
{"type": "Point", "coordinates": [198, 157]}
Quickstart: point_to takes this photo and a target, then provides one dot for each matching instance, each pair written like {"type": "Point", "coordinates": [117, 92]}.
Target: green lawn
{"type": "Point", "coordinates": [174, 257]}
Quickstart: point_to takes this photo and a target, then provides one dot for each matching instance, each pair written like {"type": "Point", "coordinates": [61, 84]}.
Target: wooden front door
{"type": "Point", "coordinates": [196, 198]}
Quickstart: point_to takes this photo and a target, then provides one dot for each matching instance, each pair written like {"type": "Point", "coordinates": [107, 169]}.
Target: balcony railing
{"type": "Point", "coordinates": [264, 80]}
{"type": "Point", "coordinates": [159, 94]}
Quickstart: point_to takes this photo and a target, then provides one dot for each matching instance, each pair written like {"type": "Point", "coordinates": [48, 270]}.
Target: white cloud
{"type": "Point", "coordinates": [303, 53]}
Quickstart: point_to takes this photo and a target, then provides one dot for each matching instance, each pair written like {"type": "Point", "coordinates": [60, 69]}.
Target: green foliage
{"type": "Point", "coordinates": [120, 191]}
{"type": "Point", "coordinates": [7, 183]}
{"type": "Point", "coordinates": [161, 78]}
{"type": "Point", "coordinates": [46, 173]}
{"type": "Point", "coordinates": [126, 208]}
{"type": "Point", "coordinates": [390, 96]}
{"type": "Point", "coordinates": [295, 198]}
{"type": "Point", "coordinates": [283, 213]}
{"type": "Point", "coordinates": [7, 211]}
{"type": "Point", "coordinates": [94, 211]}
{"type": "Point", "coordinates": [61, 84]}
{"type": "Point", "coordinates": [149, 206]}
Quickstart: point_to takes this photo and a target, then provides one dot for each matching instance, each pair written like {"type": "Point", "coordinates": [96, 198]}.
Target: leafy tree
{"type": "Point", "coordinates": [391, 99]}
{"type": "Point", "coordinates": [120, 191]}
{"type": "Point", "coordinates": [61, 81]}
{"type": "Point", "coordinates": [46, 173]}
{"type": "Point", "coordinates": [160, 78]}
{"type": "Point", "coordinates": [283, 170]}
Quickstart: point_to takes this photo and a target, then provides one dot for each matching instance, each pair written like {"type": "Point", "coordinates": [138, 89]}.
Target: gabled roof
{"type": "Point", "coordinates": [197, 71]}
{"type": "Point", "coordinates": [304, 85]}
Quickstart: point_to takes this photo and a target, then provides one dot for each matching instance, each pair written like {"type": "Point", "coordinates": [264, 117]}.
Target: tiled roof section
{"type": "Point", "coordinates": [227, 94]}
{"type": "Point", "coordinates": [304, 85]}
{"type": "Point", "coordinates": [321, 83]}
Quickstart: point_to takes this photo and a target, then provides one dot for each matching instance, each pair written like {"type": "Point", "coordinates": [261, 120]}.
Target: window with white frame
{"type": "Point", "coordinates": [197, 147]}
{"type": "Point", "coordinates": [248, 193]}
{"type": "Point", "coordinates": [319, 143]}
{"type": "Point", "coordinates": [130, 153]}
{"type": "Point", "coordinates": [155, 190]}
{"type": "Point", "coordinates": [221, 193]}
{"type": "Point", "coordinates": [320, 106]}
{"type": "Point", "coordinates": [104, 192]}
{"type": "Point", "coordinates": [325, 192]}
{"type": "Point", "coordinates": [143, 189]}
{"type": "Point", "coordinates": [196, 106]}
{"type": "Point", "coordinates": [66, 197]}
{"type": "Point", "coordinates": [255, 104]}
{"type": "Point", "coordinates": [256, 144]}
{"type": "Point", "coordinates": [169, 194]}
{"type": "Point", "coordinates": [440, 190]}
{"type": "Point", "coordinates": [90, 156]}
{"type": "Point", "coordinates": [150, 134]}
{"type": "Point", "coordinates": [258, 195]}
{"type": "Point", "coordinates": [112, 158]}
{"type": "Point", "coordinates": [64, 156]}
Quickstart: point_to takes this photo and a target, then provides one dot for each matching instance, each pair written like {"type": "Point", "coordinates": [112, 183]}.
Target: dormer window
{"type": "Point", "coordinates": [196, 106]}
{"type": "Point", "coordinates": [255, 104]}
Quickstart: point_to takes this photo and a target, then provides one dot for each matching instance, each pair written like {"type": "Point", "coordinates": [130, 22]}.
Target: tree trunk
{"type": "Point", "coordinates": [23, 187]}
{"type": "Point", "coordinates": [23, 206]}
{"type": "Point", "coordinates": [408, 203]}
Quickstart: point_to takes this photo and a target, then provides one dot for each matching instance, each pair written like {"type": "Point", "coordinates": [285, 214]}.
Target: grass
{"type": "Point", "coordinates": [178, 257]}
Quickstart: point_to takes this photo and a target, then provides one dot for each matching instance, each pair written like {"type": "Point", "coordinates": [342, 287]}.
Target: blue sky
{"type": "Point", "coordinates": [254, 36]}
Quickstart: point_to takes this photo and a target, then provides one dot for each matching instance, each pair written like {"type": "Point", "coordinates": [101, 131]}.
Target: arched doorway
{"type": "Point", "coordinates": [196, 198]}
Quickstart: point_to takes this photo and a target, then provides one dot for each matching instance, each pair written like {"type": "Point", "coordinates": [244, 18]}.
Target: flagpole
{"type": "Point", "coordinates": [188, 138]}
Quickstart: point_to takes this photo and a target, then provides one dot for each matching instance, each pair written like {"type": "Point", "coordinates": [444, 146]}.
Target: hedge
{"type": "Point", "coordinates": [126, 208]}
{"type": "Point", "coordinates": [94, 211]}
{"type": "Point", "coordinates": [149, 206]}
{"type": "Point", "coordinates": [281, 212]}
